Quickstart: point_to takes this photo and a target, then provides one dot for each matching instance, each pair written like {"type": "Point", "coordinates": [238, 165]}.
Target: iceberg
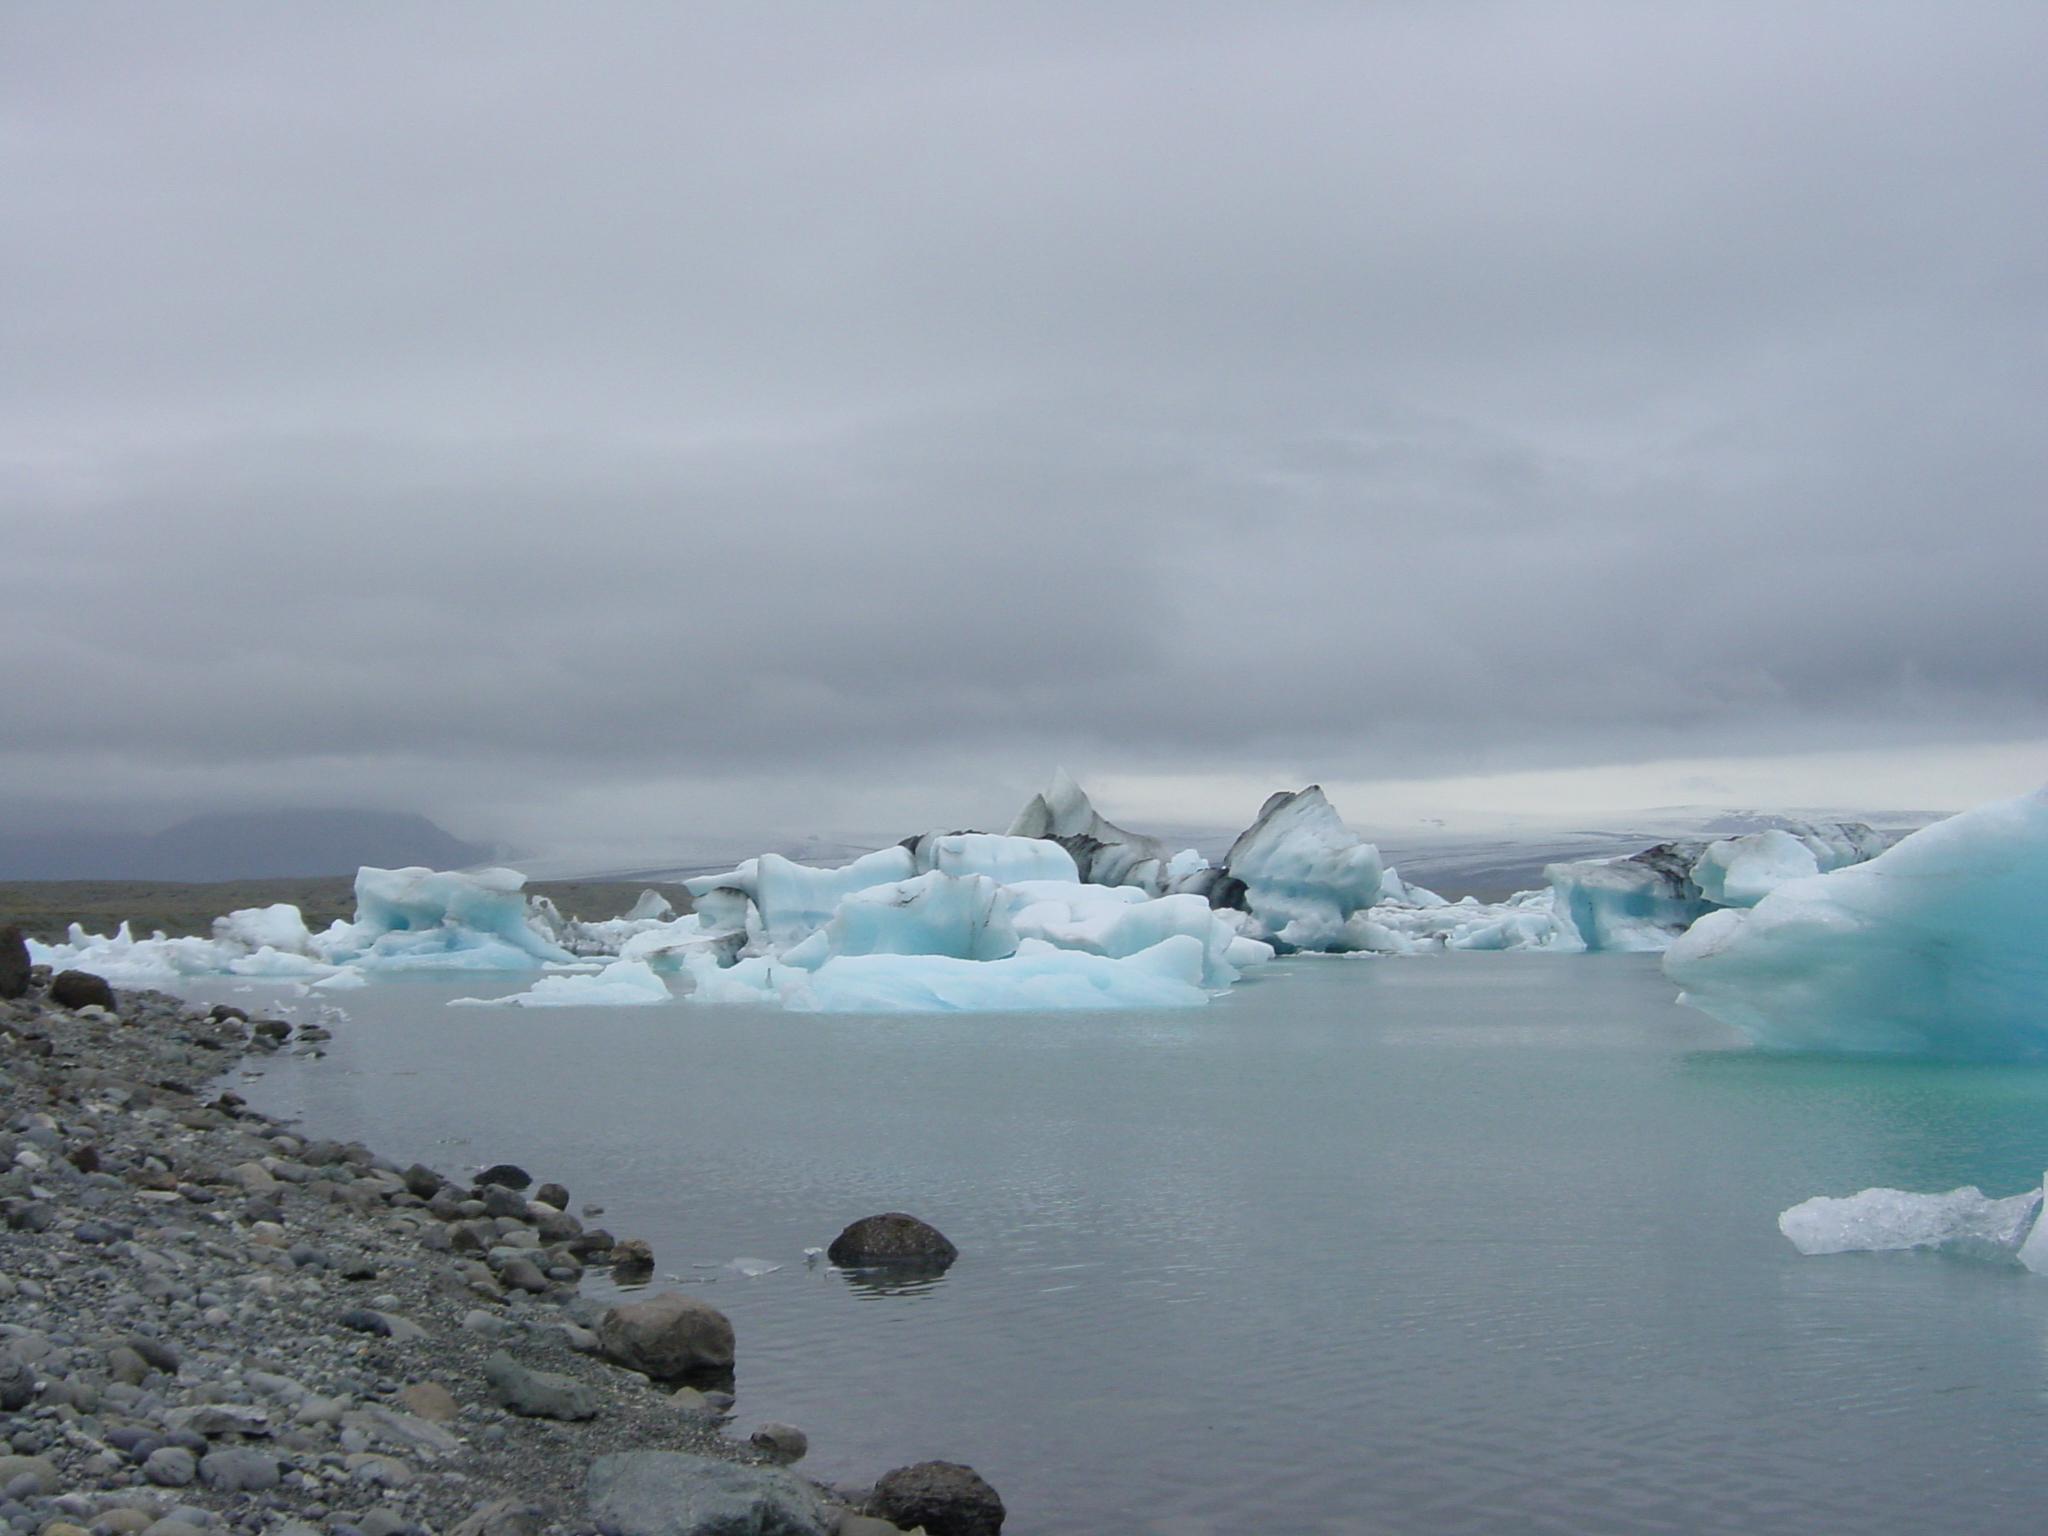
{"type": "Point", "coordinates": [126, 961]}
{"type": "Point", "coordinates": [406, 919]}
{"type": "Point", "coordinates": [1963, 1221]}
{"type": "Point", "coordinates": [1103, 853]}
{"type": "Point", "coordinates": [417, 919]}
{"type": "Point", "coordinates": [1938, 946]}
{"type": "Point", "coordinates": [1644, 901]}
{"type": "Point", "coordinates": [1038, 977]}
{"type": "Point", "coordinates": [1304, 873]}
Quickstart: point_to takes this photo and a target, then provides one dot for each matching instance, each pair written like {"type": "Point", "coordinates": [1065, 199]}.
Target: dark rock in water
{"type": "Point", "coordinates": [784, 1442]}
{"type": "Point", "coordinates": [81, 989]}
{"type": "Point", "coordinates": [596, 1240]}
{"type": "Point", "coordinates": [892, 1240]}
{"type": "Point", "coordinates": [422, 1181]}
{"type": "Point", "coordinates": [538, 1394]}
{"type": "Point", "coordinates": [511, 1175]}
{"type": "Point", "coordinates": [553, 1194]}
{"type": "Point", "coordinates": [667, 1337]}
{"type": "Point", "coordinates": [672, 1493]}
{"type": "Point", "coordinates": [14, 963]}
{"type": "Point", "coordinates": [363, 1320]}
{"type": "Point", "coordinates": [222, 1012]}
{"type": "Point", "coordinates": [944, 1497]}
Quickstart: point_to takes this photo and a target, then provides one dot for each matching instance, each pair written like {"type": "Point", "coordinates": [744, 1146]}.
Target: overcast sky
{"type": "Point", "coordinates": [587, 422]}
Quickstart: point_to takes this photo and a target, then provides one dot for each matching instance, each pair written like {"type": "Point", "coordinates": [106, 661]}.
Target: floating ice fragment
{"type": "Point", "coordinates": [623, 983]}
{"type": "Point", "coordinates": [1883, 1220]}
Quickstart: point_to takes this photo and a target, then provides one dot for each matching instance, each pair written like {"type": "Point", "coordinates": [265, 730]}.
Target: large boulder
{"type": "Point", "coordinates": [81, 989]}
{"type": "Point", "coordinates": [671, 1493]}
{"type": "Point", "coordinates": [893, 1241]}
{"type": "Point", "coordinates": [944, 1497]}
{"type": "Point", "coordinates": [667, 1337]}
{"type": "Point", "coordinates": [14, 962]}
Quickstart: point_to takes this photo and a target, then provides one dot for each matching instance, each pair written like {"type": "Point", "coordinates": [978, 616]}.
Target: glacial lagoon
{"type": "Point", "coordinates": [1469, 1243]}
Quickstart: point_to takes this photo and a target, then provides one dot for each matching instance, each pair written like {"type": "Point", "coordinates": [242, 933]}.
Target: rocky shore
{"type": "Point", "coordinates": [214, 1325]}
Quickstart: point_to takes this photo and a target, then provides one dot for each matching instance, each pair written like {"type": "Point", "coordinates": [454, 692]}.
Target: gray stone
{"type": "Point", "coordinates": [219, 1419]}
{"type": "Point", "coordinates": [502, 1517]}
{"type": "Point", "coordinates": [381, 1521]}
{"type": "Point", "coordinates": [171, 1466]}
{"type": "Point", "coordinates": [785, 1442]}
{"type": "Point", "coordinates": [944, 1497]}
{"type": "Point", "coordinates": [538, 1394]}
{"type": "Point", "coordinates": [14, 962]}
{"type": "Point", "coordinates": [671, 1493]}
{"type": "Point", "coordinates": [524, 1274]}
{"type": "Point", "coordinates": [170, 1526]}
{"type": "Point", "coordinates": [41, 1468]}
{"type": "Point", "coordinates": [239, 1471]}
{"type": "Point", "coordinates": [124, 1364]}
{"type": "Point", "coordinates": [17, 1384]}
{"type": "Point", "coordinates": [81, 989]}
{"type": "Point", "coordinates": [866, 1525]}
{"type": "Point", "coordinates": [159, 1354]}
{"type": "Point", "coordinates": [667, 1337]}
{"type": "Point", "coordinates": [892, 1240]}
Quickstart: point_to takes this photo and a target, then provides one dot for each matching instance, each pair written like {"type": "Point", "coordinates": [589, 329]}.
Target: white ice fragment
{"type": "Point", "coordinates": [623, 983]}
{"type": "Point", "coordinates": [753, 1269]}
{"type": "Point", "coordinates": [1883, 1220]}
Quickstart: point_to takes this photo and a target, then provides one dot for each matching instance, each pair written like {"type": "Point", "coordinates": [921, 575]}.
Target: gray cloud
{"type": "Point", "coordinates": [533, 399]}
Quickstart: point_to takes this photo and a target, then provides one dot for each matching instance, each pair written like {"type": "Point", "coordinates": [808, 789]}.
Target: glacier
{"type": "Point", "coordinates": [1938, 946]}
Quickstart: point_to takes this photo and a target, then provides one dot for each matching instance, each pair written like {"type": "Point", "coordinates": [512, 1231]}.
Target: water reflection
{"type": "Point", "coordinates": [898, 1280]}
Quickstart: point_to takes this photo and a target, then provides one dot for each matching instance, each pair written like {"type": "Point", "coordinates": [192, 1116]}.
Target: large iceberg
{"type": "Point", "coordinates": [1938, 946]}
{"type": "Point", "coordinates": [948, 920]}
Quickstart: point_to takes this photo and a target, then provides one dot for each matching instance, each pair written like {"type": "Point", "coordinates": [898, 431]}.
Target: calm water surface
{"type": "Point", "coordinates": [1465, 1244]}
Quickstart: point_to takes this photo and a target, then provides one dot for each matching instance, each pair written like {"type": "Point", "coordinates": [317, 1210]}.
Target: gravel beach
{"type": "Point", "coordinates": [212, 1325]}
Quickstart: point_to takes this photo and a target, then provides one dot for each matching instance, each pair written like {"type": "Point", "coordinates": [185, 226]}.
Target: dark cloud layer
{"type": "Point", "coordinates": [540, 398]}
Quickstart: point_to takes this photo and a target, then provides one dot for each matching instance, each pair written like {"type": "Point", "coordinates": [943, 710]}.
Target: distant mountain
{"type": "Point", "coordinates": [263, 845]}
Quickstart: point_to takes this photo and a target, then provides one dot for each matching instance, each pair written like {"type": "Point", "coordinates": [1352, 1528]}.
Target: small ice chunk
{"type": "Point", "coordinates": [623, 983]}
{"type": "Point", "coordinates": [1885, 1220]}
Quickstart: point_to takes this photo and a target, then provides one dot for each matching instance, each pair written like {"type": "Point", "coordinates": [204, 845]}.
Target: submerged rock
{"type": "Point", "coordinates": [892, 1240]}
{"type": "Point", "coordinates": [667, 1337]}
{"type": "Point", "coordinates": [944, 1497]}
